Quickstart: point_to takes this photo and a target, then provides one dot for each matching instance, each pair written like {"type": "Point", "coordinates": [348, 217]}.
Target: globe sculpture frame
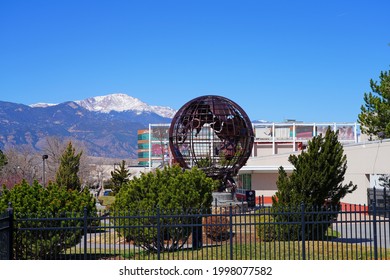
{"type": "Point", "coordinates": [214, 134]}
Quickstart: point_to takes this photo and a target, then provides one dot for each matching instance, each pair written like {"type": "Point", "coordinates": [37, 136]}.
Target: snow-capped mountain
{"type": "Point", "coordinates": [107, 125]}
{"type": "Point", "coordinates": [120, 102]}
{"type": "Point", "coordinates": [42, 105]}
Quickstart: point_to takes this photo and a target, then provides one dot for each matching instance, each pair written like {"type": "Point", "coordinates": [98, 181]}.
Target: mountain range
{"type": "Point", "coordinates": [107, 125]}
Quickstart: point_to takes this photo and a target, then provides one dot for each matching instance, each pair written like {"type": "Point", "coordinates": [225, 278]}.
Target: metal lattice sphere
{"type": "Point", "coordinates": [212, 133]}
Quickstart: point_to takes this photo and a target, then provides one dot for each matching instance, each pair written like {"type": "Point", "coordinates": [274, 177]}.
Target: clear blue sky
{"type": "Point", "coordinates": [305, 60]}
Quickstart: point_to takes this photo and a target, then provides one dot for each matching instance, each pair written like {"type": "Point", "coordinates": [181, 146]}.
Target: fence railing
{"type": "Point", "coordinates": [6, 235]}
{"type": "Point", "coordinates": [381, 197]}
{"type": "Point", "coordinates": [221, 233]}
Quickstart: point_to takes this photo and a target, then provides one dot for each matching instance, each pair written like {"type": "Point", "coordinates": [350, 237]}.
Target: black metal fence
{"type": "Point", "coordinates": [352, 233]}
{"type": "Point", "coordinates": [381, 197]}
{"type": "Point", "coordinates": [6, 230]}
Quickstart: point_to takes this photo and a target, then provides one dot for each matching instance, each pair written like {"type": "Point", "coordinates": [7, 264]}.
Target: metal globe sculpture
{"type": "Point", "coordinates": [214, 134]}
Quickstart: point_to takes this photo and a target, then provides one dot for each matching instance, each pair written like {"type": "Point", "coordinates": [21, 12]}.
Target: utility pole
{"type": "Point", "coordinates": [44, 158]}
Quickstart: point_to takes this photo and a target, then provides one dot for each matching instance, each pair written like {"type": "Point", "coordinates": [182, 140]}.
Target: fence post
{"type": "Point", "coordinates": [197, 239]}
{"type": "Point", "coordinates": [231, 230]}
{"type": "Point", "coordinates": [158, 234]}
{"type": "Point", "coordinates": [303, 224]}
{"type": "Point", "coordinates": [10, 211]}
{"type": "Point", "coordinates": [374, 226]}
{"type": "Point", "coordinates": [385, 212]}
{"type": "Point", "coordinates": [85, 220]}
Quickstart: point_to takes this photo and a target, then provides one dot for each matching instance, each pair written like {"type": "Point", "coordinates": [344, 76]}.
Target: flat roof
{"type": "Point", "coordinates": [264, 169]}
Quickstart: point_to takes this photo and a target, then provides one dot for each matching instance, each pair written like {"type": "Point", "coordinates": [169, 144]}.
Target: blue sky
{"type": "Point", "coordinates": [305, 60]}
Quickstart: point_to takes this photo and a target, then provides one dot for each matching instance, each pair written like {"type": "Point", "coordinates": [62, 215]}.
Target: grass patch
{"type": "Point", "coordinates": [106, 200]}
{"type": "Point", "coordinates": [331, 233]}
{"type": "Point", "coordinates": [292, 250]}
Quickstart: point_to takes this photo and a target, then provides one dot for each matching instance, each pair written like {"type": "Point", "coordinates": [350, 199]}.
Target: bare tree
{"type": "Point", "coordinates": [54, 148]}
{"type": "Point", "coordinates": [23, 164]}
{"type": "Point", "coordinates": [160, 134]}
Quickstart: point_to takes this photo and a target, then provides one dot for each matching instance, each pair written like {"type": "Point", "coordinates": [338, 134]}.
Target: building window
{"type": "Point", "coordinates": [143, 146]}
{"type": "Point", "coordinates": [246, 181]}
{"type": "Point", "coordinates": [143, 154]}
{"type": "Point", "coordinates": [143, 136]}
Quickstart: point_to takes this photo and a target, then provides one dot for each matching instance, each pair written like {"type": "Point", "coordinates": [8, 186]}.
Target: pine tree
{"type": "Point", "coordinates": [316, 183]}
{"type": "Point", "coordinates": [119, 177]}
{"type": "Point", "coordinates": [317, 176]}
{"type": "Point", "coordinates": [375, 113]}
{"type": "Point", "coordinates": [67, 173]}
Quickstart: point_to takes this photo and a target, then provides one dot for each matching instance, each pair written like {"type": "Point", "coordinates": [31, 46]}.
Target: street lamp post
{"type": "Point", "coordinates": [44, 158]}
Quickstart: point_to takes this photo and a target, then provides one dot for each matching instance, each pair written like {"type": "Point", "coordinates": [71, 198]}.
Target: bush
{"type": "Point", "coordinates": [154, 200]}
{"type": "Point", "coordinates": [32, 204]}
{"type": "Point", "coordinates": [265, 225]}
{"type": "Point", "coordinates": [217, 226]}
{"type": "Point", "coordinates": [285, 223]}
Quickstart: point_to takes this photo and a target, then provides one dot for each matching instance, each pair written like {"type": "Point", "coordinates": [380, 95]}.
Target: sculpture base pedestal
{"type": "Point", "coordinates": [226, 199]}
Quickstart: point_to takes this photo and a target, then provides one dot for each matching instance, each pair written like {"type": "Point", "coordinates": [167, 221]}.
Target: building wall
{"type": "Point", "coordinates": [265, 182]}
{"type": "Point", "coordinates": [143, 147]}
{"type": "Point", "coordinates": [282, 148]}
{"type": "Point", "coordinates": [364, 160]}
{"type": "Point", "coordinates": [262, 149]}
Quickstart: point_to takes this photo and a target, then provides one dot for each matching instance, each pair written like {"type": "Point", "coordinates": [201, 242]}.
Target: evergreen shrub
{"type": "Point", "coordinates": [316, 184]}
{"type": "Point", "coordinates": [45, 209]}
{"type": "Point", "coordinates": [156, 202]}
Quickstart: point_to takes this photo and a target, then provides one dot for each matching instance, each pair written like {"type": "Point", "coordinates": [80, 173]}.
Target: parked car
{"type": "Point", "coordinates": [107, 192]}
